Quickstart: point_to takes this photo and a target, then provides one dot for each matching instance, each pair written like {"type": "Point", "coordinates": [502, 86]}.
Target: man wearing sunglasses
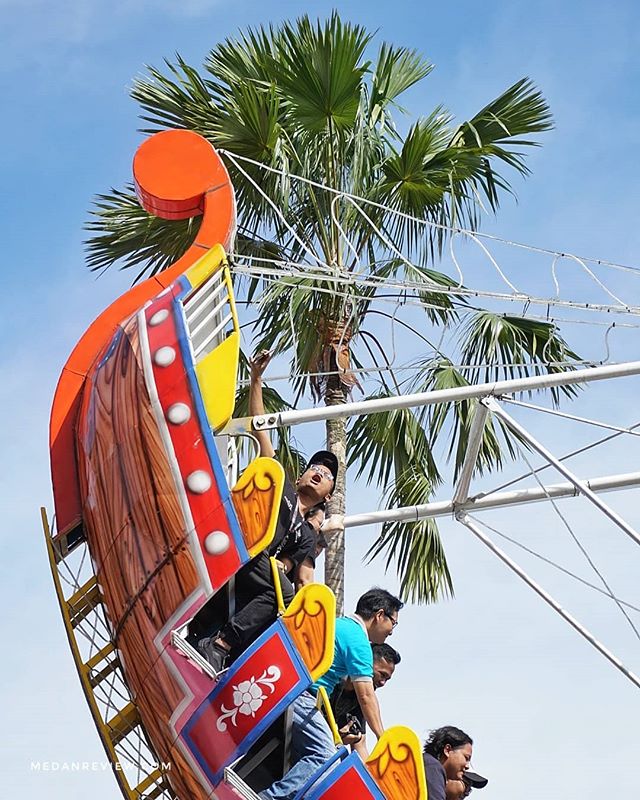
{"type": "Point", "coordinates": [295, 545]}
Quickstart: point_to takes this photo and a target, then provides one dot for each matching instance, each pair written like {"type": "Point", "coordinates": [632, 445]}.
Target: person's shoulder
{"type": "Point", "coordinates": [352, 638]}
{"type": "Point", "coordinates": [350, 627]}
{"type": "Point", "coordinates": [432, 765]}
{"type": "Point", "coordinates": [436, 777]}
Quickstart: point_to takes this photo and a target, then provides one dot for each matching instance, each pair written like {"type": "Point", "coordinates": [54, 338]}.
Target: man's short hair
{"type": "Point", "coordinates": [375, 599]}
{"type": "Point", "coordinates": [384, 652]}
{"type": "Point", "coordinates": [441, 737]}
{"type": "Point", "coordinates": [321, 506]}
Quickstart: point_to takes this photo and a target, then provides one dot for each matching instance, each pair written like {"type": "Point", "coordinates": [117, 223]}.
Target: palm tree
{"type": "Point", "coordinates": [298, 107]}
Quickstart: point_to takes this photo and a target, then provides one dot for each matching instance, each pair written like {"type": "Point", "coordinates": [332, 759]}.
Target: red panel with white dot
{"type": "Point", "coordinates": [206, 504]}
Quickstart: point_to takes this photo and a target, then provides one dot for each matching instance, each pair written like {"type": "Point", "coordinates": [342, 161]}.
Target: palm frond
{"type": "Point", "coordinates": [180, 99]}
{"type": "Point", "coordinates": [248, 58]}
{"type": "Point", "coordinates": [414, 549]}
{"type": "Point", "coordinates": [440, 307]}
{"type": "Point", "coordinates": [384, 445]}
{"type": "Point", "coordinates": [320, 72]}
{"type": "Point", "coordinates": [454, 421]}
{"type": "Point", "coordinates": [123, 231]}
{"type": "Point", "coordinates": [506, 347]}
{"type": "Point", "coordinates": [396, 70]}
{"type": "Point", "coordinates": [519, 111]}
{"type": "Point", "coordinates": [248, 122]}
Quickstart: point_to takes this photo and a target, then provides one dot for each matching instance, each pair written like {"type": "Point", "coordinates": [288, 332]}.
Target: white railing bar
{"type": "Point", "coordinates": [445, 508]}
{"type": "Point", "coordinates": [194, 308]}
{"type": "Point", "coordinates": [495, 408]}
{"type": "Point", "coordinates": [192, 313]}
{"type": "Point", "coordinates": [211, 313]}
{"type": "Point", "coordinates": [464, 519]}
{"type": "Point", "coordinates": [200, 304]}
{"type": "Point", "coordinates": [201, 293]}
{"type": "Point", "coordinates": [214, 333]}
{"type": "Point", "coordinates": [284, 418]}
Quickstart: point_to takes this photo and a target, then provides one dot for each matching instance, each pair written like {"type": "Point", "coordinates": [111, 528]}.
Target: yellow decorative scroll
{"type": "Point", "coordinates": [311, 622]}
{"type": "Point", "coordinates": [396, 765]}
{"type": "Point", "coordinates": [256, 499]}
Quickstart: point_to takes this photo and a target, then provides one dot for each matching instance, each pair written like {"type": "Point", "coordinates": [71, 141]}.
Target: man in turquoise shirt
{"type": "Point", "coordinates": [311, 740]}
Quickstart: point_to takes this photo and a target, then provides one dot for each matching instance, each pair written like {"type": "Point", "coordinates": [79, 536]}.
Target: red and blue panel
{"type": "Point", "coordinates": [249, 698]}
{"type": "Point", "coordinates": [348, 779]}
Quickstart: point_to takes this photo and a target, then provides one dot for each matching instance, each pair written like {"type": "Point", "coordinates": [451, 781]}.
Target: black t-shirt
{"type": "Point", "coordinates": [344, 702]}
{"type": "Point", "coordinates": [294, 538]}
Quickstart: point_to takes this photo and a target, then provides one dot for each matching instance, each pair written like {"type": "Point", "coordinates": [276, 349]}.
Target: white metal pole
{"type": "Point", "coordinates": [580, 485]}
{"type": "Point", "coordinates": [284, 418]}
{"type": "Point", "coordinates": [473, 448]}
{"type": "Point", "coordinates": [445, 508]}
{"type": "Point", "coordinates": [464, 519]}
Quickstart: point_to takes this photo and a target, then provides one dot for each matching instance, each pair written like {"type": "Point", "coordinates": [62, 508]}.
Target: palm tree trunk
{"type": "Point", "coordinates": [336, 442]}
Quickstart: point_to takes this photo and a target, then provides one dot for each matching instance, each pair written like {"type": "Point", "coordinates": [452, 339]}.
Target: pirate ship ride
{"type": "Point", "coordinates": [152, 523]}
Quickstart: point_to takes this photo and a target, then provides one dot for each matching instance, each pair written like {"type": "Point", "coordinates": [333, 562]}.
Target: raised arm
{"type": "Point", "coordinates": [257, 366]}
{"type": "Point", "coordinates": [369, 704]}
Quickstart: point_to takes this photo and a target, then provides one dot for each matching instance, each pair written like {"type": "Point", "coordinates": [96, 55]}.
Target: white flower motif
{"type": "Point", "coordinates": [248, 697]}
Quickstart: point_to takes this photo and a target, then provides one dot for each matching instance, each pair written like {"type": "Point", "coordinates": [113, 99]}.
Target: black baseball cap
{"type": "Point", "coordinates": [326, 459]}
{"type": "Point", "coordinates": [474, 780]}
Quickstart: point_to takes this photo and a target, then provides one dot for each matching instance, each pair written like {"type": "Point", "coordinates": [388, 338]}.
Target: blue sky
{"type": "Point", "coordinates": [550, 717]}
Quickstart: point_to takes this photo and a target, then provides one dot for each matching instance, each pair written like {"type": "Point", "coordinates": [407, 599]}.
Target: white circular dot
{"type": "Point", "coordinates": [179, 413]}
{"type": "Point", "coordinates": [164, 356]}
{"type": "Point", "coordinates": [159, 317]}
{"type": "Point", "coordinates": [199, 481]}
{"type": "Point", "coordinates": [216, 543]}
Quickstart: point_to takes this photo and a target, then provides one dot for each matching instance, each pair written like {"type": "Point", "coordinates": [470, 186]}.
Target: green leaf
{"type": "Point", "coordinates": [453, 420]}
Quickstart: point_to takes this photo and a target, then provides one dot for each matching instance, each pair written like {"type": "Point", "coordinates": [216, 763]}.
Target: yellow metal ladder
{"type": "Point", "coordinates": [136, 767]}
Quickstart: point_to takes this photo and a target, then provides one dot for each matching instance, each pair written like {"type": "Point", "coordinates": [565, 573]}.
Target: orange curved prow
{"type": "Point", "coordinates": [178, 174]}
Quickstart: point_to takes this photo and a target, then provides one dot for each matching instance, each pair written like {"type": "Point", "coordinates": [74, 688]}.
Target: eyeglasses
{"type": "Point", "coordinates": [394, 621]}
{"type": "Point", "coordinates": [321, 471]}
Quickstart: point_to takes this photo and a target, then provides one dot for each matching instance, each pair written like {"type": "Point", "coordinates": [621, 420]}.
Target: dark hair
{"type": "Point", "coordinates": [384, 652]}
{"type": "Point", "coordinates": [321, 506]}
{"type": "Point", "coordinates": [375, 599]}
{"type": "Point", "coordinates": [441, 737]}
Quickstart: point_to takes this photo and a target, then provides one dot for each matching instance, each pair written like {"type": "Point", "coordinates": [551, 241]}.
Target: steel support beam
{"type": "Point", "coordinates": [446, 508]}
{"type": "Point", "coordinates": [497, 388]}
